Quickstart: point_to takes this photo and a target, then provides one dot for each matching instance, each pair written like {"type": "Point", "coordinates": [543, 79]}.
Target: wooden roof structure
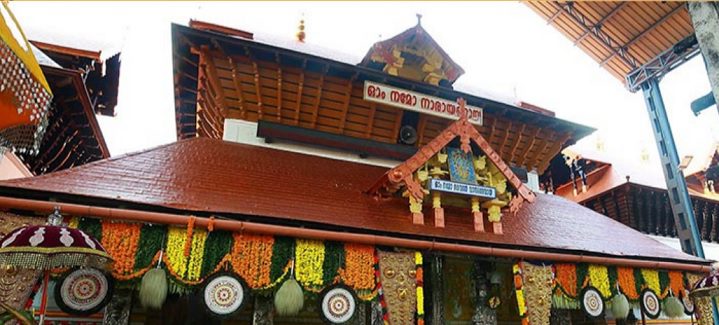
{"type": "Point", "coordinates": [73, 136]}
{"type": "Point", "coordinates": [223, 73]}
{"type": "Point", "coordinates": [625, 38]}
{"type": "Point", "coordinates": [197, 176]}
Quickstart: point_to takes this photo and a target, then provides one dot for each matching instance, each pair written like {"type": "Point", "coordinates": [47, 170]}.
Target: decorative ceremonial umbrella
{"type": "Point", "coordinates": [25, 96]}
{"type": "Point", "coordinates": [707, 286]}
{"type": "Point", "coordinates": [51, 246]}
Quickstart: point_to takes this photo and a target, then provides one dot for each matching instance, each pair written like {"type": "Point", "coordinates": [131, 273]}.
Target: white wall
{"type": "Point", "coordinates": [11, 167]}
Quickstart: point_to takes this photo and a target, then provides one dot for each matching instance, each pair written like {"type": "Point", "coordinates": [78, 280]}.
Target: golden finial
{"type": "Point", "coordinates": [301, 33]}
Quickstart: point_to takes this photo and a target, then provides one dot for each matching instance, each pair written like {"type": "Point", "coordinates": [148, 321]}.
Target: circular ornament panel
{"type": "Point", "coordinates": [650, 304]}
{"type": "Point", "coordinates": [83, 291]}
{"type": "Point", "coordinates": [592, 302]}
{"type": "Point", "coordinates": [338, 304]}
{"type": "Point", "coordinates": [688, 303]}
{"type": "Point", "coordinates": [224, 294]}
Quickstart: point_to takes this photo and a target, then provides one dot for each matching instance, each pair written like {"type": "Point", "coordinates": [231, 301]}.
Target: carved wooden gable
{"type": "Point", "coordinates": [466, 173]}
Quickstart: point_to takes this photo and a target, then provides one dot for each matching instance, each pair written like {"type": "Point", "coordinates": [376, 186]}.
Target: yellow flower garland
{"type": "Point", "coordinates": [197, 252]}
{"type": "Point", "coordinates": [309, 255]}
{"type": "Point", "coordinates": [74, 222]}
{"type": "Point", "coordinates": [599, 278]}
{"type": "Point", "coordinates": [651, 279]}
{"type": "Point", "coordinates": [175, 250]}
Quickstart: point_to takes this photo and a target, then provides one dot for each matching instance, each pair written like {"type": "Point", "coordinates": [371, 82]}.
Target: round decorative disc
{"type": "Point", "coordinates": [650, 304]}
{"type": "Point", "coordinates": [592, 302]}
{"type": "Point", "coordinates": [83, 291]}
{"type": "Point", "coordinates": [224, 294]}
{"type": "Point", "coordinates": [688, 303]}
{"type": "Point", "coordinates": [338, 304]}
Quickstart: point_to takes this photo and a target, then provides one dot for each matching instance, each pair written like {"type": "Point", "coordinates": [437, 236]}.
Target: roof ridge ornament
{"type": "Point", "coordinates": [419, 19]}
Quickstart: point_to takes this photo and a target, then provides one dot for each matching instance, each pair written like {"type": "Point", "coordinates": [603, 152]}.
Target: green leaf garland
{"type": "Point", "coordinates": [92, 227]}
{"type": "Point", "coordinates": [334, 257]}
{"type": "Point", "coordinates": [582, 273]}
{"type": "Point", "coordinates": [638, 280]}
{"type": "Point", "coordinates": [613, 277]}
{"type": "Point", "coordinates": [663, 281]}
{"type": "Point", "coordinates": [282, 251]}
{"type": "Point", "coordinates": [151, 239]}
{"type": "Point", "coordinates": [217, 245]}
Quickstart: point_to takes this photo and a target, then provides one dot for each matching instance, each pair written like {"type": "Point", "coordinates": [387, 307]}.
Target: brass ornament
{"type": "Point", "coordinates": [537, 292]}
{"type": "Point", "coordinates": [400, 288]}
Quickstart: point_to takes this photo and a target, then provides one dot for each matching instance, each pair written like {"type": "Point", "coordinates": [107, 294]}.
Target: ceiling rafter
{"type": "Point", "coordinates": [598, 25]}
{"type": "Point", "coordinates": [602, 37]}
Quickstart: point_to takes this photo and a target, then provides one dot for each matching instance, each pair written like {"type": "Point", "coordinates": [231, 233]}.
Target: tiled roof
{"type": "Point", "coordinates": [206, 175]}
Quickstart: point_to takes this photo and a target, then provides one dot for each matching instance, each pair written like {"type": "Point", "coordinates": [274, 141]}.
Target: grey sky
{"type": "Point", "coordinates": [504, 48]}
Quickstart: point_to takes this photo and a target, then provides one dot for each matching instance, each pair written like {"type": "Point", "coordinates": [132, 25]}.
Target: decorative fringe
{"type": "Point", "coordinates": [289, 299]}
{"type": "Point", "coordinates": [153, 289]}
{"type": "Point", "coordinates": [620, 306]}
{"type": "Point", "coordinates": [41, 261]}
{"type": "Point", "coordinates": [673, 308]}
{"type": "Point", "coordinates": [561, 301]}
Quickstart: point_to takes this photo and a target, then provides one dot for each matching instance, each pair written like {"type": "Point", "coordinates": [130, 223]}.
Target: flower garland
{"type": "Point", "coordinates": [251, 258]}
{"type": "Point", "coordinates": [282, 253]}
{"type": "Point", "coordinates": [217, 246]}
{"type": "Point", "coordinates": [582, 276]}
{"type": "Point", "coordinates": [613, 279]}
{"type": "Point", "coordinates": [359, 267]}
{"type": "Point", "coordinates": [676, 283]}
{"type": "Point", "coordinates": [419, 277]}
{"type": "Point", "coordinates": [194, 265]}
{"type": "Point", "coordinates": [599, 278]}
{"type": "Point", "coordinates": [188, 239]}
{"type": "Point", "coordinates": [334, 257]}
{"type": "Point", "coordinates": [627, 282]}
{"type": "Point", "coordinates": [566, 278]}
{"type": "Point", "coordinates": [152, 238]}
{"type": "Point", "coordinates": [120, 239]}
{"type": "Point", "coordinates": [663, 284]}
{"type": "Point", "coordinates": [309, 256]}
{"type": "Point", "coordinates": [74, 222]}
{"type": "Point", "coordinates": [651, 279]}
{"type": "Point", "coordinates": [175, 252]}
{"type": "Point", "coordinates": [519, 292]}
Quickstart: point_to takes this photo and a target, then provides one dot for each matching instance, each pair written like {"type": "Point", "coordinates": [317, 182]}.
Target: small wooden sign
{"type": "Point", "coordinates": [462, 189]}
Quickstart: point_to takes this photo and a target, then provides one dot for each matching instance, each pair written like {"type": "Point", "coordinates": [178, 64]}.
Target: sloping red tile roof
{"type": "Point", "coordinates": [228, 178]}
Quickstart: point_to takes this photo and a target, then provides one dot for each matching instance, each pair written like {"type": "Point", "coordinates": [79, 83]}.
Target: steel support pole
{"type": "Point", "coordinates": [679, 200]}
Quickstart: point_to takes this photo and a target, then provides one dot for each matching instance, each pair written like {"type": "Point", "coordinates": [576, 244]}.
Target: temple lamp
{"type": "Point", "coordinates": [50, 247]}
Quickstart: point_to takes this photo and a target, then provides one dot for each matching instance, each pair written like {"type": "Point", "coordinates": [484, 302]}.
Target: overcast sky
{"type": "Point", "coordinates": [504, 47]}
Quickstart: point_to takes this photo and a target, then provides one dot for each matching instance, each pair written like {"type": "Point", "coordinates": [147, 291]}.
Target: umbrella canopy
{"type": "Point", "coordinates": [52, 246]}
{"type": "Point", "coordinates": [707, 286]}
{"type": "Point", "coordinates": [25, 95]}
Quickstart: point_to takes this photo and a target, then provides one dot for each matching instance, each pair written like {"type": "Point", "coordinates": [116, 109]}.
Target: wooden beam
{"type": "Point", "coordinates": [370, 118]}
{"type": "Point", "coordinates": [598, 24]}
{"type": "Point", "coordinates": [346, 104]}
{"type": "Point", "coordinates": [210, 70]}
{"type": "Point", "coordinates": [528, 148]}
{"type": "Point", "coordinates": [238, 86]}
{"type": "Point", "coordinates": [501, 149]}
{"type": "Point", "coordinates": [559, 144]}
{"type": "Point", "coordinates": [300, 84]}
{"type": "Point", "coordinates": [279, 86]}
{"type": "Point", "coordinates": [316, 107]}
{"type": "Point", "coordinates": [520, 135]}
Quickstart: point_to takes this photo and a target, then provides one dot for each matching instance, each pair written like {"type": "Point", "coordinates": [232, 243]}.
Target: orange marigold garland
{"type": "Point", "coordinates": [251, 258]}
{"type": "Point", "coordinates": [566, 278]}
{"type": "Point", "coordinates": [120, 239]}
{"type": "Point", "coordinates": [359, 267]}
{"type": "Point", "coordinates": [676, 283]}
{"type": "Point", "coordinates": [626, 280]}
{"type": "Point", "coordinates": [188, 238]}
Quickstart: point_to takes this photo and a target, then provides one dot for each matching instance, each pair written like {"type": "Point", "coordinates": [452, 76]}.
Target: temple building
{"type": "Point", "coordinates": [310, 188]}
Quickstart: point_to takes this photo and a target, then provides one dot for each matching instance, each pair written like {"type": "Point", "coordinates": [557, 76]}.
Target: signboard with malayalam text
{"type": "Point", "coordinates": [413, 101]}
{"type": "Point", "coordinates": [463, 189]}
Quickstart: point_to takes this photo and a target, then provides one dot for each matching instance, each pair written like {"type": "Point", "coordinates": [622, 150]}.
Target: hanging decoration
{"type": "Point", "coordinates": [289, 299]}
{"type": "Point", "coordinates": [592, 302]}
{"type": "Point", "coordinates": [650, 304]}
{"type": "Point", "coordinates": [599, 279]}
{"type": "Point", "coordinates": [566, 278]}
{"type": "Point", "coordinates": [537, 280]}
{"type": "Point", "coordinates": [651, 280]}
{"type": "Point", "coordinates": [83, 291]}
{"type": "Point", "coordinates": [627, 282]}
{"type": "Point", "coordinates": [562, 301]}
{"type": "Point", "coordinates": [217, 247]}
{"type": "Point", "coordinates": [252, 259]}
{"type": "Point", "coordinates": [338, 304]}
{"type": "Point", "coordinates": [197, 252]}
{"type": "Point", "coordinates": [121, 240]}
{"type": "Point", "coordinates": [25, 96]}
{"type": "Point", "coordinates": [676, 283]}
{"type": "Point", "coordinates": [673, 308]}
{"type": "Point", "coordinates": [224, 294]}
{"type": "Point", "coordinates": [620, 306]}
{"type": "Point", "coordinates": [153, 289]}
{"type": "Point", "coordinates": [152, 239]}
{"type": "Point", "coordinates": [333, 260]}
{"type": "Point", "coordinates": [399, 287]}
{"type": "Point", "coordinates": [309, 257]}
{"type": "Point", "coordinates": [419, 278]}
{"type": "Point", "coordinates": [519, 292]}
{"type": "Point", "coordinates": [358, 272]}
{"type": "Point", "coordinates": [175, 258]}
{"type": "Point", "coordinates": [702, 305]}
{"type": "Point", "coordinates": [688, 303]}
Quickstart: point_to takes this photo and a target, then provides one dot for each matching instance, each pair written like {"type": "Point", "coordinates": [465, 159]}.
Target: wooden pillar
{"type": "Point", "coordinates": [117, 312]}
{"type": "Point", "coordinates": [262, 314]}
{"type": "Point", "coordinates": [436, 287]}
